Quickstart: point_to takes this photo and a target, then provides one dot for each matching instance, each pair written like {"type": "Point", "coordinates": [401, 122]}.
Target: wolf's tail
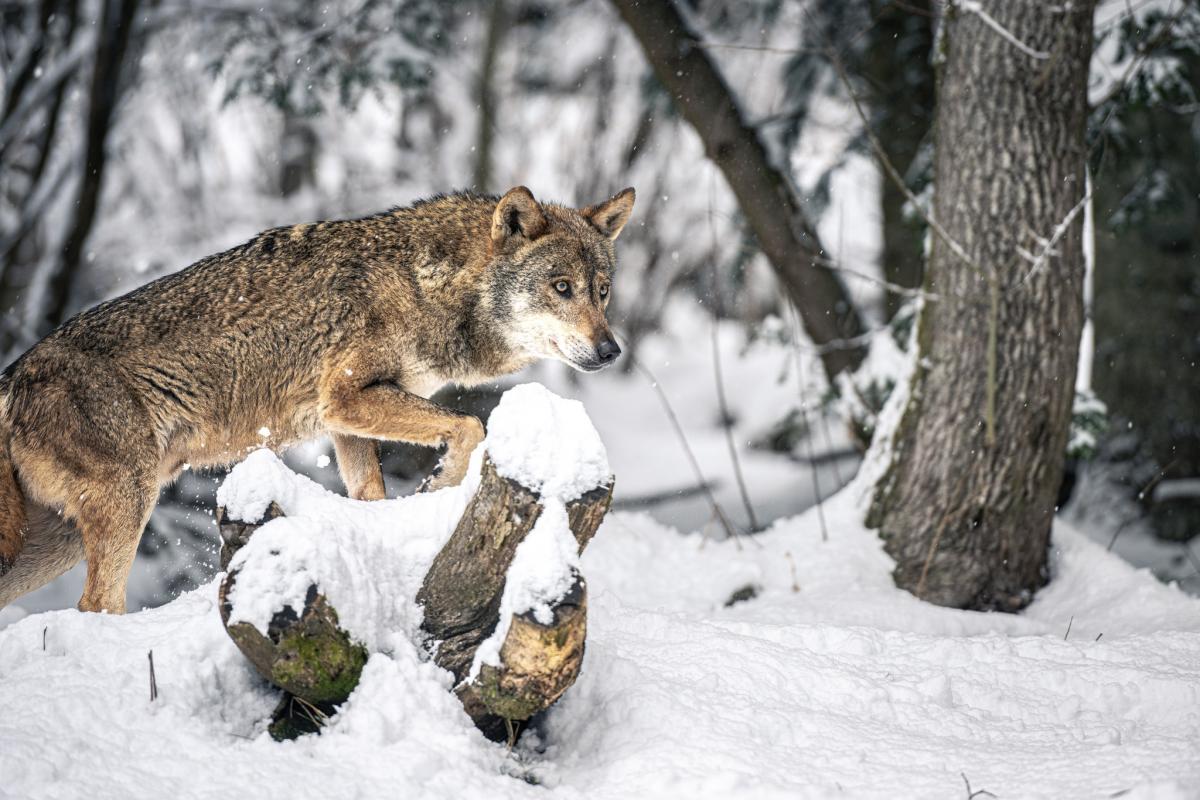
{"type": "Point", "coordinates": [12, 501]}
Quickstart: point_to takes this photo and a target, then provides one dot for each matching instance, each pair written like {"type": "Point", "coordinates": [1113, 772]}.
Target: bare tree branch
{"type": "Point", "coordinates": [764, 193]}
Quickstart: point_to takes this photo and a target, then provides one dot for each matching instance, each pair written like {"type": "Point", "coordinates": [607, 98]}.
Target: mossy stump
{"type": "Point", "coordinates": [538, 663]}
{"type": "Point", "coordinates": [304, 652]}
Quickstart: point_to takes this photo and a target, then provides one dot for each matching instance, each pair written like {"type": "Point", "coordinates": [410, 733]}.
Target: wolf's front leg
{"type": "Point", "coordinates": [358, 463]}
{"type": "Point", "coordinates": [356, 404]}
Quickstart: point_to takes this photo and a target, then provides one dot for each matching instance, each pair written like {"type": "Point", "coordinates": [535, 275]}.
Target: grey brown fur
{"type": "Point", "coordinates": [342, 328]}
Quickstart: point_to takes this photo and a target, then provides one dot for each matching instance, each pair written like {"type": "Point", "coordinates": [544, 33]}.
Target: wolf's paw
{"type": "Point", "coordinates": [432, 482]}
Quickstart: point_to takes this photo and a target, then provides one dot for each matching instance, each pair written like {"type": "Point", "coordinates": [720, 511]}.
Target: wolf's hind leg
{"type": "Point", "coordinates": [111, 518]}
{"type": "Point", "coordinates": [358, 463]}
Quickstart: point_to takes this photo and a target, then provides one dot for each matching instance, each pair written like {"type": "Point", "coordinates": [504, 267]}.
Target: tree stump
{"type": "Point", "coordinates": [318, 664]}
{"type": "Point", "coordinates": [304, 651]}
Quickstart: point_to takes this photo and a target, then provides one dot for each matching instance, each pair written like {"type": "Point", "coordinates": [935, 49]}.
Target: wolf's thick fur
{"type": "Point", "coordinates": [342, 328]}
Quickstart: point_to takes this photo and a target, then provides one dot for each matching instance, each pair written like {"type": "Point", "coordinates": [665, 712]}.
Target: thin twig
{"type": "Point", "coordinates": [887, 164]}
{"type": "Point", "coordinates": [759, 48]}
{"type": "Point", "coordinates": [792, 564]}
{"type": "Point", "coordinates": [718, 513]}
{"type": "Point", "coordinates": [722, 401]}
{"type": "Point", "coordinates": [511, 729]}
{"type": "Point", "coordinates": [1070, 622]}
{"type": "Point", "coordinates": [977, 793]}
{"type": "Point", "coordinates": [894, 288]}
{"type": "Point", "coordinates": [727, 426]}
{"type": "Point", "coordinates": [1055, 237]}
{"type": "Point", "coordinates": [808, 431]}
{"type": "Point", "coordinates": [153, 681]}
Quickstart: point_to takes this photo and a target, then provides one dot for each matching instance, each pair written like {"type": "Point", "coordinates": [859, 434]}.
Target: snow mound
{"type": "Point", "coordinates": [546, 444]}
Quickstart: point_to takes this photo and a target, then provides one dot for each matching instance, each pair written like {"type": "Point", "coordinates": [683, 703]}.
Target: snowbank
{"type": "Point", "coordinates": [829, 682]}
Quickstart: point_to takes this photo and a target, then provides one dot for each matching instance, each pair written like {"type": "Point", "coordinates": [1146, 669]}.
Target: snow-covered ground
{"type": "Point", "coordinates": [829, 682]}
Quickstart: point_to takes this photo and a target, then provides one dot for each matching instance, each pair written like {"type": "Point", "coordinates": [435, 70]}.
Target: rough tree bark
{"type": "Point", "coordinates": [967, 515]}
{"type": "Point", "coordinates": [764, 193]}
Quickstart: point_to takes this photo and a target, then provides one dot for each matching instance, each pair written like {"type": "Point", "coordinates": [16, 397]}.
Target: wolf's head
{"type": "Point", "coordinates": [552, 275]}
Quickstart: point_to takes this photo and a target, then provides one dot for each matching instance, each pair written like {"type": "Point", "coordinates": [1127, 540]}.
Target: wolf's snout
{"type": "Point", "coordinates": [607, 351]}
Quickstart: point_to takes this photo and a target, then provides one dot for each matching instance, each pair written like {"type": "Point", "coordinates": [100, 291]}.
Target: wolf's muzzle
{"type": "Point", "coordinates": [607, 351]}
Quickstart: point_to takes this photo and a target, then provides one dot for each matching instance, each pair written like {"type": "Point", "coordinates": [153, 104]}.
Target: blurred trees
{"type": "Point", "coordinates": [765, 195]}
{"type": "Point", "coordinates": [113, 33]}
{"type": "Point", "coordinates": [1146, 145]}
{"type": "Point", "coordinates": [886, 49]}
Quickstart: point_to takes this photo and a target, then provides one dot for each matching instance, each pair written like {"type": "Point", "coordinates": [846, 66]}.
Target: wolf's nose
{"type": "Point", "coordinates": [608, 350]}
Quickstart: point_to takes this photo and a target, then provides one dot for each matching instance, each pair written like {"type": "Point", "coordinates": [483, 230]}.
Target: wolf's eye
{"type": "Point", "coordinates": [563, 288]}
{"type": "Point", "coordinates": [603, 291]}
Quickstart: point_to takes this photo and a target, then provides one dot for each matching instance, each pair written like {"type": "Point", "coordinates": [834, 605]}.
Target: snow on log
{"type": "Point", "coordinates": [304, 651]}
{"type": "Point", "coordinates": [504, 599]}
{"type": "Point", "coordinates": [485, 573]}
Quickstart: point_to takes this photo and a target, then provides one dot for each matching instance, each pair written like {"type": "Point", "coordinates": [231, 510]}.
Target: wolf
{"type": "Point", "coordinates": [340, 328]}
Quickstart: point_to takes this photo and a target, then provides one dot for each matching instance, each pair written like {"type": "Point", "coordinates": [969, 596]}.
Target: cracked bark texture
{"type": "Point", "coordinates": [967, 520]}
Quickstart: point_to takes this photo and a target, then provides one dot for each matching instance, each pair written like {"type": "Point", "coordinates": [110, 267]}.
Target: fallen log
{"type": "Point", "coordinates": [512, 635]}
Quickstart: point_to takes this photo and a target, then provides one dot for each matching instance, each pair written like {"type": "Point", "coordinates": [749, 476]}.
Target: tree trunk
{"type": "Point", "coordinates": [485, 97]}
{"type": "Point", "coordinates": [112, 41]}
{"type": "Point", "coordinates": [966, 505]}
{"type": "Point", "coordinates": [764, 193]}
{"type": "Point", "coordinates": [897, 69]}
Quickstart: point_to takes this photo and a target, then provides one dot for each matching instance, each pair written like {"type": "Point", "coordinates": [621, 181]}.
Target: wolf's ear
{"type": "Point", "coordinates": [611, 215]}
{"type": "Point", "coordinates": [517, 214]}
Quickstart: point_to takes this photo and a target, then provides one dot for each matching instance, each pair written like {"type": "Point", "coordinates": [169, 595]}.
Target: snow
{"type": "Point", "coordinates": [828, 682]}
{"type": "Point", "coordinates": [542, 572]}
{"type": "Point", "coordinates": [546, 444]}
{"type": "Point", "coordinates": [534, 437]}
{"type": "Point", "coordinates": [368, 559]}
